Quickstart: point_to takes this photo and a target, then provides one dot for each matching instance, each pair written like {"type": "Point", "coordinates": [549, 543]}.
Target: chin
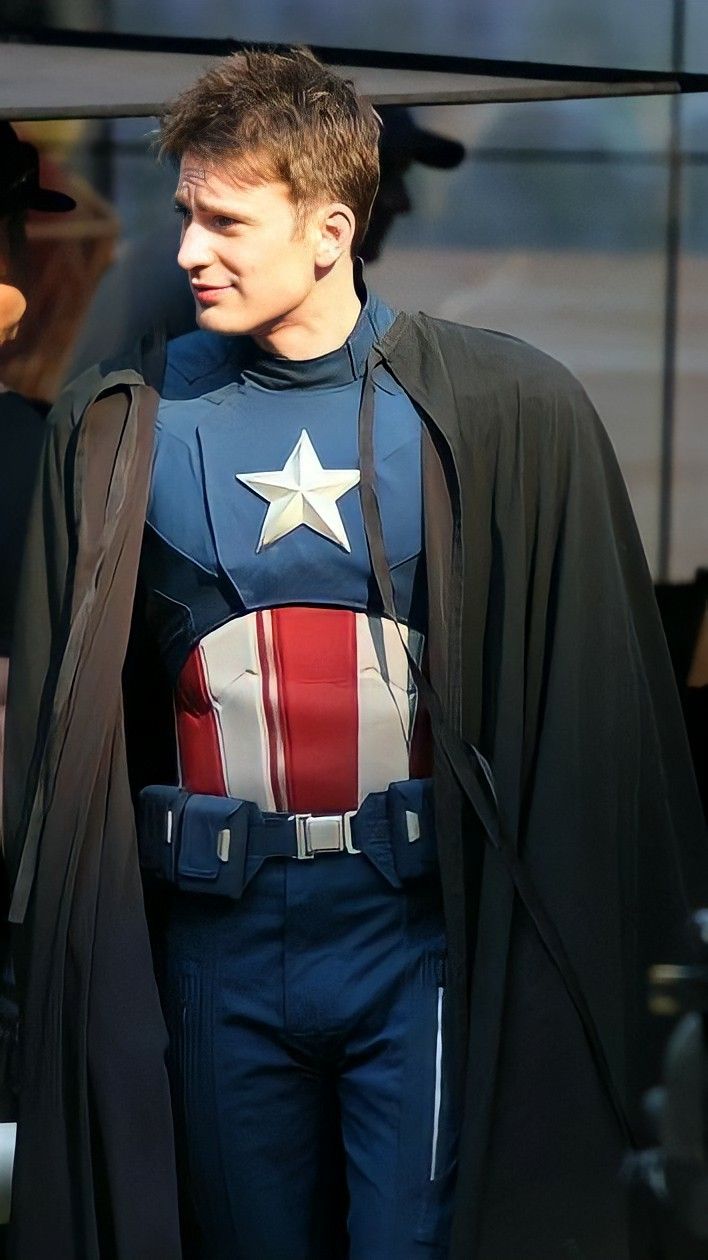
{"type": "Point", "coordinates": [227, 322]}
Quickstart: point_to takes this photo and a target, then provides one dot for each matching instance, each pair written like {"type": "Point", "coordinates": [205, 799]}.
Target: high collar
{"type": "Point", "coordinates": [339, 367]}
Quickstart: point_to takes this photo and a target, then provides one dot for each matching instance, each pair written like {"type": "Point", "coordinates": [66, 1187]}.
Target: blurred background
{"type": "Point", "coordinates": [581, 226]}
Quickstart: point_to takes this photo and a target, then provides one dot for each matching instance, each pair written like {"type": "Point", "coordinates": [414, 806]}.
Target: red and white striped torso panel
{"type": "Point", "coordinates": [297, 708]}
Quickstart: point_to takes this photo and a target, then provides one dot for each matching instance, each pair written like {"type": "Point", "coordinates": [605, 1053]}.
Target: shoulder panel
{"type": "Point", "coordinates": [201, 361]}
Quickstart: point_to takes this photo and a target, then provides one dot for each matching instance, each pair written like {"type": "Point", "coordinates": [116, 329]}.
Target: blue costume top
{"type": "Point", "coordinates": [254, 513]}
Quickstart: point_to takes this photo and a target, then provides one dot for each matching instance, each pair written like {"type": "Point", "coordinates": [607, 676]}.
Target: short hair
{"type": "Point", "coordinates": [281, 115]}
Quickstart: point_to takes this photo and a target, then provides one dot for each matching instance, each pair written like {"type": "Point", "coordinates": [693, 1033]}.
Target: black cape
{"type": "Point", "coordinates": [570, 833]}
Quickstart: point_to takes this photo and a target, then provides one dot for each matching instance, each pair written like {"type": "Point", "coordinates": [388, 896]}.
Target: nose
{"type": "Point", "coordinates": [194, 250]}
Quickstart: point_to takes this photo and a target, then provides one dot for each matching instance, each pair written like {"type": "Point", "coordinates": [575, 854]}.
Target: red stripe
{"type": "Point", "coordinates": [316, 662]}
{"type": "Point", "coordinates": [272, 718]}
{"type": "Point", "coordinates": [197, 731]}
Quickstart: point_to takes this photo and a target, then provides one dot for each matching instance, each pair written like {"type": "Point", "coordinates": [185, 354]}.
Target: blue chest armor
{"type": "Point", "coordinates": [227, 411]}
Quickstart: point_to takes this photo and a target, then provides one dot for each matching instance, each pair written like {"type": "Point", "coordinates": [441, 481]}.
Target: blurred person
{"type": "Point", "coordinates": [63, 263]}
{"type": "Point", "coordinates": [401, 143]}
{"type": "Point", "coordinates": [22, 425]}
{"type": "Point", "coordinates": [415, 807]}
{"type": "Point", "coordinates": [22, 432]}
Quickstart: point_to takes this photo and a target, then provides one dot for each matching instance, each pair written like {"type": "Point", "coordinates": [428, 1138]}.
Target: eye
{"type": "Point", "coordinates": [223, 221]}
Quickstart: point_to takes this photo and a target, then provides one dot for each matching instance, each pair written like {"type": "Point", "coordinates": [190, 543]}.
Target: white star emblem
{"type": "Point", "coordinates": [302, 493]}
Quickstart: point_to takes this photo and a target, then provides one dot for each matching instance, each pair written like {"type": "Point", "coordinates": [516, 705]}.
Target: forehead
{"type": "Point", "coordinates": [200, 181]}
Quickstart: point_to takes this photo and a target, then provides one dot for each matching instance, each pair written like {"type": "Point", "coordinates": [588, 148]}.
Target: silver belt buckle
{"type": "Point", "coordinates": [324, 833]}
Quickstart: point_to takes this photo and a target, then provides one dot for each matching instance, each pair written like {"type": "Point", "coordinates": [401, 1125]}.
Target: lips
{"type": "Point", "coordinates": [209, 293]}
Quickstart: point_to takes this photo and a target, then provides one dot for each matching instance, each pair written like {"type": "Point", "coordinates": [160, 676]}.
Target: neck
{"type": "Point", "coordinates": [320, 324]}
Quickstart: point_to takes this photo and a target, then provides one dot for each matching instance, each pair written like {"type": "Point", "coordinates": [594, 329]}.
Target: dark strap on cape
{"type": "Point", "coordinates": [148, 357]}
{"type": "Point", "coordinates": [470, 768]}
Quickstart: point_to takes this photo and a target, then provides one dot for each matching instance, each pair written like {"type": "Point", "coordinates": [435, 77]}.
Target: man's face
{"type": "Point", "coordinates": [250, 263]}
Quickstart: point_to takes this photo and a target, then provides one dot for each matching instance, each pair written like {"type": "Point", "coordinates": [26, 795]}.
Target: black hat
{"type": "Point", "coordinates": [401, 136]}
{"type": "Point", "coordinates": [19, 178]}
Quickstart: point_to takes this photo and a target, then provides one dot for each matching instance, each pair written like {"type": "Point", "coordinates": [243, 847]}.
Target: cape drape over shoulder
{"type": "Point", "coordinates": [546, 654]}
{"type": "Point", "coordinates": [94, 1174]}
{"type": "Point", "coordinates": [556, 668]}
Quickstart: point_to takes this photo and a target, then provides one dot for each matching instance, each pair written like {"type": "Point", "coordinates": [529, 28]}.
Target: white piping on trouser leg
{"type": "Point", "coordinates": [8, 1136]}
{"type": "Point", "coordinates": [438, 1087]}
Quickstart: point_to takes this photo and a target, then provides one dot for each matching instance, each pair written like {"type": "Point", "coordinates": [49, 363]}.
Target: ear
{"type": "Point", "coordinates": [336, 227]}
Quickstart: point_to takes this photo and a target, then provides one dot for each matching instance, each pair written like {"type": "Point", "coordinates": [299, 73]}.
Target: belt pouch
{"type": "Point", "coordinates": [159, 813]}
{"type": "Point", "coordinates": [409, 808]}
{"type": "Point", "coordinates": [212, 846]}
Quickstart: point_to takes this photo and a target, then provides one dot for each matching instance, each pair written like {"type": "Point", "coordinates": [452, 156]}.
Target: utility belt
{"type": "Point", "coordinates": [216, 844]}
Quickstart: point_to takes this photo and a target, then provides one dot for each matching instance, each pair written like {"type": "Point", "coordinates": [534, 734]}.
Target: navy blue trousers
{"type": "Point", "coordinates": [307, 1057]}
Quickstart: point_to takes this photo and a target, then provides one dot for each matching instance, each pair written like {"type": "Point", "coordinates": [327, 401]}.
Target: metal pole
{"type": "Point", "coordinates": [673, 253]}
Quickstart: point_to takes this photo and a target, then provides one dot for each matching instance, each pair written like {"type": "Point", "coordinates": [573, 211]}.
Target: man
{"type": "Point", "coordinates": [378, 550]}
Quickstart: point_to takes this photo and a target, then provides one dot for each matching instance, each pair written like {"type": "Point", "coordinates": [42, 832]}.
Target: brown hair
{"type": "Point", "coordinates": [281, 116]}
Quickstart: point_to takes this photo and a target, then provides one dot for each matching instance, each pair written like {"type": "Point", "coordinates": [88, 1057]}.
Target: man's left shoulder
{"type": "Point", "coordinates": [484, 358]}
{"type": "Point", "coordinates": [488, 385]}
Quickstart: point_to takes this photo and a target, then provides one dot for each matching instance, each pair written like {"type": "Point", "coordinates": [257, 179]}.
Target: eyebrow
{"type": "Point", "coordinates": [211, 207]}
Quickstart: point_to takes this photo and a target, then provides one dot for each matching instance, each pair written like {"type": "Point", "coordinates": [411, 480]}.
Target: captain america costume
{"type": "Point", "coordinates": [314, 1003]}
{"type": "Point", "coordinates": [212, 582]}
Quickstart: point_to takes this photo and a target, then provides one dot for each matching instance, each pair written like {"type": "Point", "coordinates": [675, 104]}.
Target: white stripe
{"type": "Point", "coordinates": [384, 712]}
{"type": "Point", "coordinates": [233, 673]}
{"type": "Point", "coordinates": [438, 1087]}
{"type": "Point", "coordinates": [275, 705]}
{"type": "Point", "coordinates": [215, 698]}
{"type": "Point", "coordinates": [8, 1138]}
